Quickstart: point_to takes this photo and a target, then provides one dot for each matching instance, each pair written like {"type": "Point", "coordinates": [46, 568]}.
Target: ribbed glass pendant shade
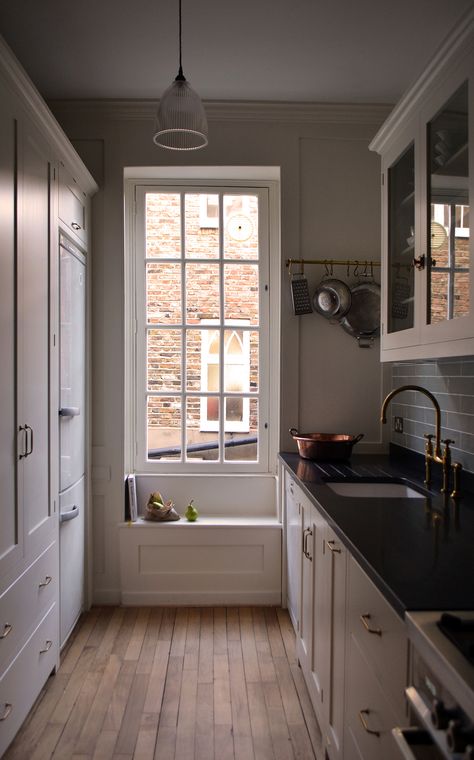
{"type": "Point", "coordinates": [181, 122]}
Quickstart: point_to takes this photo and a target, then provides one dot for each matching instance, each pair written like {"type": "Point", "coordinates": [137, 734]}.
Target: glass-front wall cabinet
{"type": "Point", "coordinates": [447, 143]}
{"type": "Point", "coordinates": [427, 154]}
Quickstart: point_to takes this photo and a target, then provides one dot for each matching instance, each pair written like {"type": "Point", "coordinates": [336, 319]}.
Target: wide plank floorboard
{"type": "Point", "coordinates": [174, 684]}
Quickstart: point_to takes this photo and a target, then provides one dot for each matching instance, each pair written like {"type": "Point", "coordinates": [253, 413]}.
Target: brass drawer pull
{"type": "Point", "coordinates": [331, 546]}
{"type": "Point", "coordinates": [365, 622]}
{"type": "Point", "coordinates": [7, 711]}
{"type": "Point", "coordinates": [362, 714]}
{"type": "Point", "coordinates": [47, 647]}
{"type": "Point", "coordinates": [6, 630]}
{"type": "Point", "coordinates": [306, 534]}
{"type": "Point", "coordinates": [46, 581]}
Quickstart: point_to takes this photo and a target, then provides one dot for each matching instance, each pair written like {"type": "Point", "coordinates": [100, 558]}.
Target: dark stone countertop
{"type": "Point", "coordinates": [418, 552]}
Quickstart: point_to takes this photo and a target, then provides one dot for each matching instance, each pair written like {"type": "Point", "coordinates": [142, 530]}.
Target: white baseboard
{"type": "Point", "coordinates": [106, 597]}
{"type": "Point", "coordinates": [200, 599]}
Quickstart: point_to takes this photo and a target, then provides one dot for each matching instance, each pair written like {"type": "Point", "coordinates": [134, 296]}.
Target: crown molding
{"type": "Point", "coordinates": [457, 44]}
{"type": "Point", "coordinates": [18, 81]}
{"type": "Point", "coordinates": [235, 110]}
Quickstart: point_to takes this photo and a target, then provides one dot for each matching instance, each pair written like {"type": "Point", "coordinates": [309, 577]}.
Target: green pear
{"type": "Point", "coordinates": [191, 513]}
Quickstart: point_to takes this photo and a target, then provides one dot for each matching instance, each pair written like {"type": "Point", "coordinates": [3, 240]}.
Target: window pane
{"type": "Point", "coordinates": [202, 428]}
{"type": "Point", "coordinates": [164, 360]}
{"type": "Point", "coordinates": [242, 446]}
{"type": "Point", "coordinates": [202, 226]}
{"type": "Point", "coordinates": [163, 293]}
{"type": "Point", "coordinates": [163, 225]}
{"type": "Point", "coordinates": [241, 292]}
{"type": "Point", "coordinates": [240, 226]}
{"type": "Point", "coordinates": [461, 294]}
{"type": "Point", "coordinates": [401, 242]}
{"type": "Point", "coordinates": [439, 298]}
{"type": "Point", "coordinates": [164, 427]}
{"type": "Point", "coordinates": [202, 292]}
{"type": "Point", "coordinates": [193, 360]}
{"type": "Point", "coordinates": [254, 361]}
{"type": "Point", "coordinates": [448, 194]}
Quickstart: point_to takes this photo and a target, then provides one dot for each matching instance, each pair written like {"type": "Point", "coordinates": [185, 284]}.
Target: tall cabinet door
{"type": "Point", "coordinates": [11, 529]}
{"type": "Point", "coordinates": [72, 363]}
{"type": "Point", "coordinates": [34, 239]}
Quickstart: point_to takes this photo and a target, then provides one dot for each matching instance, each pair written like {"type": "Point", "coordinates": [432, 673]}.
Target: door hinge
{"type": "Point", "coordinates": [383, 179]}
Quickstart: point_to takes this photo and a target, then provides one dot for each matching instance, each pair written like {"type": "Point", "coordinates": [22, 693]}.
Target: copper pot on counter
{"type": "Point", "coordinates": [324, 447]}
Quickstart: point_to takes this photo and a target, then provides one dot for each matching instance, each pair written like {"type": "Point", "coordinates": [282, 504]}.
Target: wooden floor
{"type": "Point", "coordinates": [164, 683]}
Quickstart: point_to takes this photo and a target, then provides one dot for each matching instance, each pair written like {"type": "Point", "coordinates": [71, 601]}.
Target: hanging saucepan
{"type": "Point", "coordinates": [332, 298]}
{"type": "Point", "coordinates": [362, 321]}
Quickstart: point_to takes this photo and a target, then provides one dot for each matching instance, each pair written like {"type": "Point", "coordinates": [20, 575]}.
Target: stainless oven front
{"type": "Point", "coordinates": [440, 695]}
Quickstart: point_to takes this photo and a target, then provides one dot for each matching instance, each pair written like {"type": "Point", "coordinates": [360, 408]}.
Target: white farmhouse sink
{"type": "Point", "coordinates": [372, 490]}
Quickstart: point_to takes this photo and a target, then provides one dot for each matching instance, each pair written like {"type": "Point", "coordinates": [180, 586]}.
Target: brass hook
{"type": "Point", "coordinates": [356, 269]}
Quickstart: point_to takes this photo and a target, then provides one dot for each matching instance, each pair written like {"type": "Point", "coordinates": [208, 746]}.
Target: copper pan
{"type": "Point", "coordinates": [324, 447]}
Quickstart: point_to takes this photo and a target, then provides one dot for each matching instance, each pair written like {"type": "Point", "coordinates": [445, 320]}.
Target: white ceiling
{"type": "Point", "coordinates": [346, 51]}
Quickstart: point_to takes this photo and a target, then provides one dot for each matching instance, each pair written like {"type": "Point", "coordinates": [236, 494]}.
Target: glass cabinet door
{"type": "Point", "coordinates": [448, 296]}
{"type": "Point", "coordinates": [401, 242]}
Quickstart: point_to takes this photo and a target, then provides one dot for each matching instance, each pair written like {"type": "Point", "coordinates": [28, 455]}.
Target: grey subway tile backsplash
{"type": "Point", "coordinates": [452, 383]}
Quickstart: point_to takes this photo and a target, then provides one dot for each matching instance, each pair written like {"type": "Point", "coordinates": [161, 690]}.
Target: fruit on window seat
{"type": "Point", "coordinates": [191, 513]}
{"type": "Point", "coordinates": [159, 510]}
{"type": "Point", "coordinates": [156, 498]}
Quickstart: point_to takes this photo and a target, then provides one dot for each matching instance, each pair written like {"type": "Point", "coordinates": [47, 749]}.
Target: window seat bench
{"type": "Point", "coordinates": [217, 560]}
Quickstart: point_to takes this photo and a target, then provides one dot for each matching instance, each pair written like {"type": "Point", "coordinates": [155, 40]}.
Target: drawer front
{"type": "Point", "coordinates": [24, 603]}
{"type": "Point", "coordinates": [380, 633]}
{"type": "Point", "coordinates": [369, 716]}
{"type": "Point", "coordinates": [22, 682]}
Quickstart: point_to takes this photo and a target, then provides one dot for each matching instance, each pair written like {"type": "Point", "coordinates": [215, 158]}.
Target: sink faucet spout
{"type": "Point", "coordinates": [420, 389]}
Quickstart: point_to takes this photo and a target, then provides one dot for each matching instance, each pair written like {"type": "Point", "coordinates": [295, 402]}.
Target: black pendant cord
{"type": "Point", "coordinates": [180, 77]}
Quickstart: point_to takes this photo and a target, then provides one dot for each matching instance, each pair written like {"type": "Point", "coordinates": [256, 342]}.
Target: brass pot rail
{"type": "Point", "coordinates": [356, 263]}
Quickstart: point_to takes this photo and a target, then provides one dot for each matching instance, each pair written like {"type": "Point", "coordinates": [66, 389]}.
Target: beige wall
{"type": "Point", "coordinates": [330, 207]}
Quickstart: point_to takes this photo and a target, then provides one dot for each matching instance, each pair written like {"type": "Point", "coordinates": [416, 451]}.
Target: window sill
{"type": "Point", "coordinates": [212, 521]}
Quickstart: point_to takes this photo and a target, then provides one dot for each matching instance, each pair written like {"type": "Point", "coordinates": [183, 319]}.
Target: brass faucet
{"type": "Point", "coordinates": [443, 458]}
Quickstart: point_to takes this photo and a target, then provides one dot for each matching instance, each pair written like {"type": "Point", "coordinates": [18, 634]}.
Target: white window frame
{"type": "Point", "coordinates": [263, 181]}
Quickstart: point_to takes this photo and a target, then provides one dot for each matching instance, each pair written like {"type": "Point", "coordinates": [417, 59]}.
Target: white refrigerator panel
{"type": "Point", "coordinates": [72, 366]}
{"type": "Point", "coordinates": [71, 557]}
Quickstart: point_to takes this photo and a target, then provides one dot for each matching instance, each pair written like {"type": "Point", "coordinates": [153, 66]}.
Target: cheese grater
{"type": "Point", "coordinates": [300, 295]}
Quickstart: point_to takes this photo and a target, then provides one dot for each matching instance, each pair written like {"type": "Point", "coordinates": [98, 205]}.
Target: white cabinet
{"type": "Point", "coordinates": [34, 231]}
{"type": "Point", "coordinates": [31, 146]}
{"type": "Point", "coordinates": [329, 615]}
{"type": "Point", "coordinates": [427, 148]}
{"type": "Point", "coordinates": [376, 668]}
{"type": "Point", "coordinates": [316, 565]}
{"type": "Point", "coordinates": [304, 644]}
{"type": "Point", "coordinates": [294, 533]}
{"type": "Point", "coordinates": [12, 528]}
{"type": "Point", "coordinates": [28, 506]}
{"type": "Point", "coordinates": [351, 645]}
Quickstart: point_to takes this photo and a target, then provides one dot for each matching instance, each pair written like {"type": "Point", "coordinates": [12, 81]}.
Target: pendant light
{"type": "Point", "coordinates": [181, 122]}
